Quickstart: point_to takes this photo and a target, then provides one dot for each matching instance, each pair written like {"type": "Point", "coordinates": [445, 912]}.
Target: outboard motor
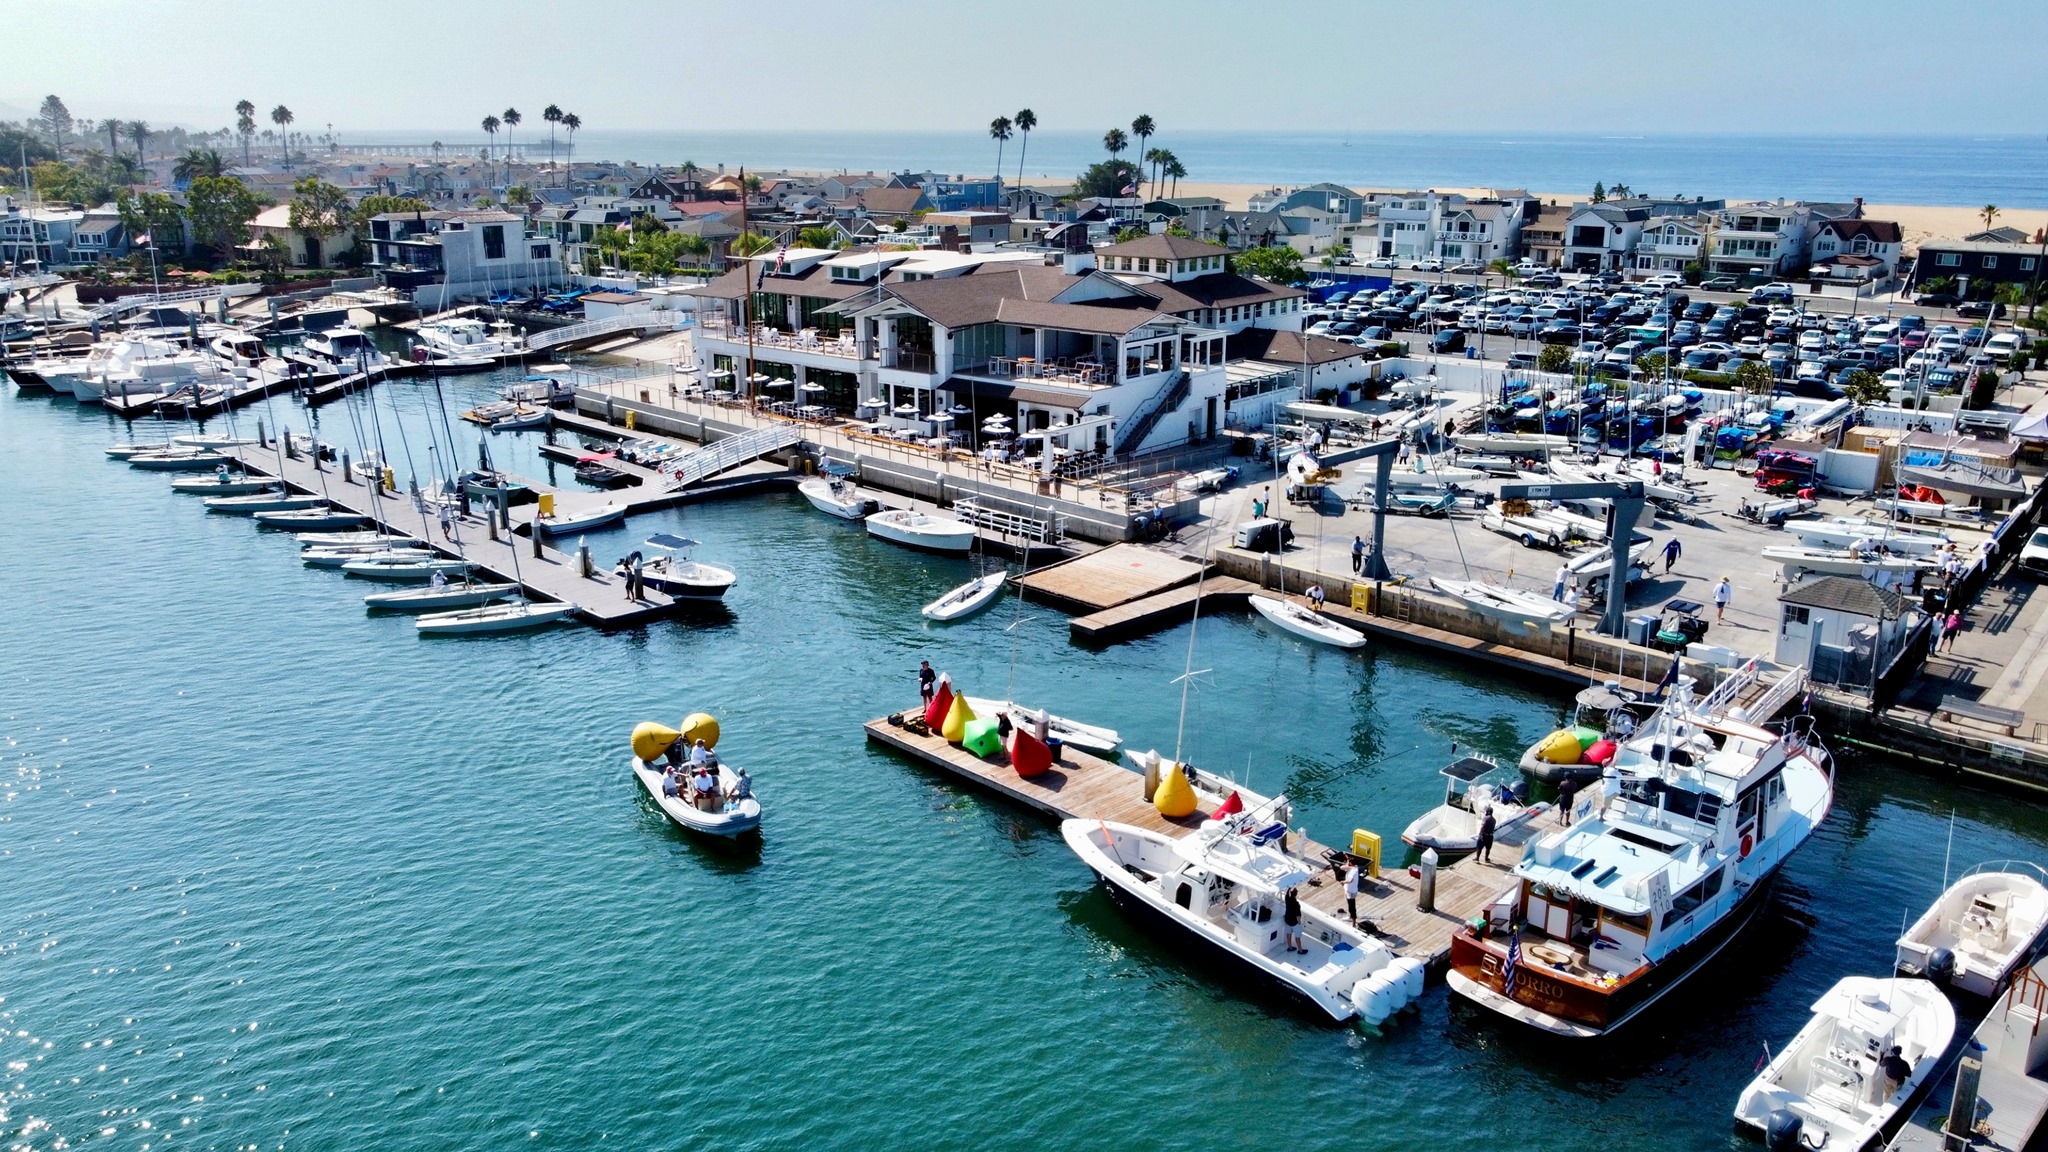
{"type": "Point", "coordinates": [1941, 966]}
{"type": "Point", "coordinates": [1781, 1131]}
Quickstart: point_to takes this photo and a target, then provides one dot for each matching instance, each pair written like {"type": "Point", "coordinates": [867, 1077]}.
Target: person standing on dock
{"type": "Point", "coordinates": [1486, 827]}
{"type": "Point", "coordinates": [1351, 872]}
{"type": "Point", "coordinates": [1723, 593]}
{"type": "Point", "coordinates": [1315, 597]}
{"type": "Point", "coordinates": [1357, 555]}
{"type": "Point", "coordinates": [1571, 598]}
{"type": "Point", "coordinates": [1564, 573]}
{"type": "Point", "coordinates": [926, 680]}
{"type": "Point", "coordinates": [1567, 792]}
{"type": "Point", "coordinates": [1672, 548]}
{"type": "Point", "coordinates": [447, 523]}
{"type": "Point", "coordinates": [1949, 627]}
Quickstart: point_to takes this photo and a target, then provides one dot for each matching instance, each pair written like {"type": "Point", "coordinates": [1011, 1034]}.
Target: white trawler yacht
{"type": "Point", "coordinates": [1674, 857]}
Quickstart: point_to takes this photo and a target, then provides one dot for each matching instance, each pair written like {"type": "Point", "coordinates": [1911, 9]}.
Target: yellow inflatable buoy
{"type": "Point", "coordinates": [650, 740]}
{"type": "Point", "coordinates": [699, 726]}
{"type": "Point", "coordinates": [1560, 747]}
{"type": "Point", "coordinates": [957, 718]}
{"type": "Point", "coordinates": [1176, 797]}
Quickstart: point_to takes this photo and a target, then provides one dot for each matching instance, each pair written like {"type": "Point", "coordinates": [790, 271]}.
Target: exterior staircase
{"type": "Point", "coordinates": [1133, 433]}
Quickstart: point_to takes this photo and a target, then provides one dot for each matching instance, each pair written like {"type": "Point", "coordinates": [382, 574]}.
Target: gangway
{"type": "Point", "coordinates": [730, 453]}
{"type": "Point", "coordinates": [589, 329]}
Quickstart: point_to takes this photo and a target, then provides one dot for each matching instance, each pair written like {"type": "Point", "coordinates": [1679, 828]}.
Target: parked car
{"type": "Point", "coordinates": [1813, 388]}
{"type": "Point", "coordinates": [1719, 284]}
{"type": "Point", "coordinates": [1467, 268]}
{"type": "Point", "coordinates": [1383, 262]}
{"type": "Point", "coordinates": [2034, 556]}
{"type": "Point", "coordinates": [1426, 264]}
{"type": "Point", "coordinates": [1377, 333]}
{"type": "Point", "coordinates": [1544, 280]}
{"type": "Point", "coordinates": [1979, 309]}
{"type": "Point", "coordinates": [1448, 340]}
{"type": "Point", "coordinates": [1936, 300]}
{"type": "Point", "coordinates": [1771, 293]}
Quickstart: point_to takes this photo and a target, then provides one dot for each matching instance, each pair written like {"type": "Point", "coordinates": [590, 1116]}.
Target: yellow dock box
{"type": "Point", "coordinates": [547, 503]}
{"type": "Point", "coordinates": [1365, 846]}
{"type": "Point", "coordinates": [390, 480]}
{"type": "Point", "coordinates": [1361, 597]}
{"type": "Point", "coordinates": [629, 419]}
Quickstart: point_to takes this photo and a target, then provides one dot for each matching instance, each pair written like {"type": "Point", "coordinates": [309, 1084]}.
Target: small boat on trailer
{"type": "Point", "coordinates": [438, 598]}
{"type": "Point", "coordinates": [967, 599]}
{"type": "Point", "coordinates": [1222, 888]}
{"type": "Point", "coordinates": [1830, 1087]}
{"type": "Point", "coordinates": [914, 529]}
{"type": "Point", "coordinates": [1473, 786]}
{"type": "Point", "coordinates": [726, 810]}
{"type": "Point", "coordinates": [1980, 930]}
{"type": "Point", "coordinates": [1291, 617]}
{"type": "Point", "coordinates": [516, 616]}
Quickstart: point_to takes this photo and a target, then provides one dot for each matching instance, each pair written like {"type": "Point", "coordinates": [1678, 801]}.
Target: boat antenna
{"type": "Point", "coordinates": [1950, 852]}
{"type": "Point", "coordinates": [1188, 673]}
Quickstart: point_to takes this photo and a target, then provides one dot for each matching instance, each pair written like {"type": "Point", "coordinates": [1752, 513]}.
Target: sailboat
{"type": "Point", "coordinates": [966, 600]}
{"type": "Point", "coordinates": [1292, 617]}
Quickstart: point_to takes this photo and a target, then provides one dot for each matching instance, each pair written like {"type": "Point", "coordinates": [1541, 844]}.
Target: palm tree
{"type": "Point", "coordinates": [491, 130]}
{"type": "Point", "coordinates": [1989, 212]}
{"type": "Point", "coordinates": [245, 123]}
{"type": "Point", "coordinates": [1025, 120]}
{"type": "Point", "coordinates": [999, 131]}
{"type": "Point", "coordinates": [511, 119]}
{"type": "Point", "coordinates": [570, 123]}
{"type": "Point", "coordinates": [282, 116]}
{"type": "Point", "coordinates": [113, 128]}
{"type": "Point", "coordinates": [1114, 142]}
{"type": "Point", "coordinates": [194, 164]}
{"type": "Point", "coordinates": [138, 131]}
{"type": "Point", "coordinates": [1142, 128]}
{"type": "Point", "coordinates": [1175, 170]}
{"type": "Point", "coordinates": [553, 115]}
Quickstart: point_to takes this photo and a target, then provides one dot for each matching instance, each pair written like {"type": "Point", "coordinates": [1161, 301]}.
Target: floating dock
{"type": "Point", "coordinates": [1160, 610]}
{"type": "Point", "coordinates": [1085, 787]}
{"type": "Point", "coordinates": [2012, 1093]}
{"type": "Point", "coordinates": [1107, 578]}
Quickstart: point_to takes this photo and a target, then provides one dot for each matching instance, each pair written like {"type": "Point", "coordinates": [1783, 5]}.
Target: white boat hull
{"type": "Point", "coordinates": [493, 618]}
{"type": "Point", "coordinates": [1308, 625]}
{"type": "Point", "coordinates": [1086, 737]}
{"type": "Point", "coordinates": [690, 580]}
{"type": "Point", "coordinates": [967, 599]}
{"type": "Point", "coordinates": [580, 521]}
{"type": "Point", "coordinates": [744, 815]}
{"type": "Point", "coordinates": [825, 498]}
{"type": "Point", "coordinates": [1504, 604]}
{"type": "Point", "coordinates": [438, 599]}
{"type": "Point", "coordinates": [1990, 922]}
{"type": "Point", "coordinates": [402, 569]}
{"type": "Point", "coordinates": [350, 553]}
{"type": "Point", "coordinates": [214, 486]}
{"type": "Point", "coordinates": [263, 502]}
{"type": "Point", "coordinates": [310, 521]}
{"type": "Point", "coordinates": [918, 530]}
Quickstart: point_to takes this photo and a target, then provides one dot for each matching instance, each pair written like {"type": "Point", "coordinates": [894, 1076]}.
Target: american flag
{"type": "Point", "coordinates": [1129, 188]}
{"type": "Point", "coordinates": [1514, 962]}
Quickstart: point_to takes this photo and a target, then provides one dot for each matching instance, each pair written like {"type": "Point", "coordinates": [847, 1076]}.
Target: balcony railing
{"type": "Point", "coordinates": [911, 360]}
{"type": "Point", "coordinates": [808, 340]}
{"type": "Point", "coordinates": [1083, 371]}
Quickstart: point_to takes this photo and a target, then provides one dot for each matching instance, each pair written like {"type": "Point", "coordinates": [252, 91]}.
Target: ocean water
{"type": "Point", "coordinates": [1962, 170]}
{"type": "Point", "coordinates": [283, 875]}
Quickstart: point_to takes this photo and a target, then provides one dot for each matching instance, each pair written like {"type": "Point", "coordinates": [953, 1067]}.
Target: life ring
{"type": "Point", "coordinates": [1748, 842]}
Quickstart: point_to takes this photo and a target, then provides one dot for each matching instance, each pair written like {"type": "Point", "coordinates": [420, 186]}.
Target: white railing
{"type": "Point", "coordinates": [127, 304]}
{"type": "Point", "coordinates": [1777, 695]}
{"type": "Point", "coordinates": [24, 283]}
{"type": "Point", "coordinates": [1048, 529]}
{"type": "Point", "coordinates": [589, 328]}
{"type": "Point", "coordinates": [730, 452]}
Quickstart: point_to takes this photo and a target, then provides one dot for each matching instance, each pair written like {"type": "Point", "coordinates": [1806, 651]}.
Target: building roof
{"type": "Point", "coordinates": [275, 216]}
{"type": "Point", "coordinates": [1218, 289]}
{"type": "Point", "coordinates": [1877, 231]}
{"type": "Point", "coordinates": [1847, 594]}
{"type": "Point", "coordinates": [1094, 317]}
{"type": "Point", "coordinates": [881, 201]}
{"type": "Point", "coordinates": [1168, 247]}
{"type": "Point", "coordinates": [814, 282]}
{"type": "Point", "coordinates": [97, 227]}
{"type": "Point", "coordinates": [1998, 240]}
{"type": "Point", "coordinates": [1281, 346]}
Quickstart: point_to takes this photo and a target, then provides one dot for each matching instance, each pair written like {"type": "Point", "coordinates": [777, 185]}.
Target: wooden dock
{"type": "Point", "coordinates": [2012, 1099]}
{"type": "Point", "coordinates": [1160, 610]}
{"type": "Point", "coordinates": [1085, 787]}
{"type": "Point", "coordinates": [1107, 578]}
{"type": "Point", "coordinates": [546, 572]}
{"type": "Point", "coordinates": [1471, 648]}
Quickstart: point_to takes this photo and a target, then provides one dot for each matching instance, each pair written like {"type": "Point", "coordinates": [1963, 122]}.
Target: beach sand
{"type": "Point", "coordinates": [1918, 221]}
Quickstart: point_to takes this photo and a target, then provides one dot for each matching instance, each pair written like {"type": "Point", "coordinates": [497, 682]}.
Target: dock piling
{"type": "Point", "coordinates": [1962, 1110]}
{"type": "Point", "coordinates": [536, 542]}
{"type": "Point", "coordinates": [1425, 892]}
{"type": "Point", "coordinates": [583, 565]}
{"type": "Point", "coordinates": [348, 475]}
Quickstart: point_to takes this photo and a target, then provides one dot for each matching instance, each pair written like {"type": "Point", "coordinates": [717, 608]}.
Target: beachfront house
{"type": "Point", "coordinates": [1479, 231]}
{"type": "Point", "coordinates": [1602, 237]}
{"type": "Point", "coordinates": [302, 249]}
{"type": "Point", "coordinates": [1765, 239]}
{"type": "Point", "coordinates": [1668, 245]}
{"type": "Point", "coordinates": [1543, 236]}
{"type": "Point", "coordinates": [1130, 359]}
{"type": "Point", "coordinates": [1857, 251]}
{"type": "Point", "coordinates": [1995, 256]}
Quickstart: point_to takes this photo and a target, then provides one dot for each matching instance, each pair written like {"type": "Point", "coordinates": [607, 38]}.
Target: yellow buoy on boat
{"type": "Point", "coordinates": [650, 740]}
{"type": "Point", "coordinates": [700, 726]}
{"type": "Point", "coordinates": [1560, 747]}
{"type": "Point", "coordinates": [1175, 797]}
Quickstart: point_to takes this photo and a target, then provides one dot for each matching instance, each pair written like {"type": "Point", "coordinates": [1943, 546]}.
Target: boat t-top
{"type": "Point", "coordinates": [675, 574]}
{"type": "Point", "coordinates": [1473, 786]}
{"type": "Point", "coordinates": [833, 493]}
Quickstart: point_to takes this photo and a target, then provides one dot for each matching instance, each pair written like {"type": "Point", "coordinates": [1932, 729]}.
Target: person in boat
{"type": "Point", "coordinates": [699, 754]}
{"type": "Point", "coordinates": [704, 783]}
{"type": "Point", "coordinates": [1291, 916]}
{"type": "Point", "coordinates": [1486, 827]}
{"type": "Point", "coordinates": [1897, 1070]}
{"type": "Point", "coordinates": [220, 473]}
{"type": "Point", "coordinates": [670, 785]}
{"type": "Point", "coordinates": [742, 788]}
{"type": "Point", "coordinates": [437, 580]}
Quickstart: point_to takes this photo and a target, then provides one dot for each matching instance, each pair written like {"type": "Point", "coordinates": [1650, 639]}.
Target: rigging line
{"type": "Point", "coordinates": [405, 442]}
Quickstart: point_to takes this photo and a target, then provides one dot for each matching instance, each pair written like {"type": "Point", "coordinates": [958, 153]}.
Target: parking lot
{"type": "Point", "coordinates": [1637, 331]}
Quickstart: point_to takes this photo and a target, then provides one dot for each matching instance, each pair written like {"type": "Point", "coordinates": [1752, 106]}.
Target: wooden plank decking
{"type": "Point", "coordinates": [1115, 575]}
{"type": "Point", "coordinates": [1160, 610]}
{"type": "Point", "coordinates": [1088, 788]}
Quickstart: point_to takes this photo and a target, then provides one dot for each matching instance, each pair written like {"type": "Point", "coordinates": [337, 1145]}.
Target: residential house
{"type": "Point", "coordinates": [887, 205]}
{"type": "Point", "coordinates": [39, 237]}
{"type": "Point", "coordinates": [961, 193]}
{"type": "Point", "coordinates": [100, 236]}
{"type": "Point", "coordinates": [1766, 238]}
{"type": "Point", "coordinates": [1602, 237]}
{"type": "Point", "coordinates": [1266, 368]}
{"type": "Point", "coordinates": [1856, 250]}
{"type": "Point", "coordinates": [1997, 255]}
{"type": "Point", "coordinates": [1034, 202]}
{"type": "Point", "coordinates": [445, 257]}
{"type": "Point", "coordinates": [989, 227]}
{"type": "Point", "coordinates": [1669, 245]}
{"type": "Point", "coordinates": [1479, 230]}
{"type": "Point", "coordinates": [302, 249]}
{"type": "Point", "coordinates": [1340, 203]}
{"type": "Point", "coordinates": [1543, 236]}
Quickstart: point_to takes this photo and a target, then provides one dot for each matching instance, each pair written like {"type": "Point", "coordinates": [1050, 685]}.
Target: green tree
{"type": "Point", "coordinates": [1554, 358]}
{"type": "Point", "coordinates": [1989, 212]}
{"type": "Point", "coordinates": [1753, 377]}
{"type": "Point", "coordinates": [72, 183]}
{"type": "Point", "coordinates": [490, 131]}
{"type": "Point", "coordinates": [750, 244]}
{"type": "Point", "coordinates": [1152, 160]}
{"type": "Point", "coordinates": [282, 117]}
{"type": "Point", "coordinates": [1599, 192]}
{"type": "Point", "coordinates": [55, 120]}
{"type": "Point", "coordinates": [220, 208]}
{"type": "Point", "coordinates": [511, 120]}
{"type": "Point", "coordinates": [1279, 264]}
{"type": "Point", "coordinates": [319, 209]}
{"type": "Point", "coordinates": [371, 206]}
{"type": "Point", "coordinates": [570, 123]}
{"type": "Point", "coordinates": [1865, 387]}
{"type": "Point", "coordinates": [156, 215]}
{"type": "Point", "coordinates": [816, 237]}
{"type": "Point", "coordinates": [138, 131]}
{"type": "Point", "coordinates": [1142, 128]}
{"type": "Point", "coordinates": [1174, 171]}
{"type": "Point", "coordinates": [1126, 235]}
{"type": "Point", "coordinates": [1025, 120]}
{"type": "Point", "coordinates": [999, 131]}
{"type": "Point", "coordinates": [1106, 178]}
{"type": "Point", "coordinates": [1176, 228]}
{"type": "Point", "coordinates": [553, 115]}
{"type": "Point", "coordinates": [245, 126]}
{"type": "Point", "coordinates": [1503, 269]}
{"type": "Point", "coordinates": [1653, 365]}
{"type": "Point", "coordinates": [1114, 142]}
{"type": "Point", "coordinates": [195, 163]}
{"type": "Point", "coordinates": [518, 197]}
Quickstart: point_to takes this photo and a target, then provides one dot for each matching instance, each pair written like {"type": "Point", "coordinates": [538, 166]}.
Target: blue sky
{"type": "Point", "coordinates": [1874, 66]}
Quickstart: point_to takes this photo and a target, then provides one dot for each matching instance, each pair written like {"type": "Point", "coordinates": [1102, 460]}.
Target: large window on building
{"type": "Point", "coordinates": [494, 241]}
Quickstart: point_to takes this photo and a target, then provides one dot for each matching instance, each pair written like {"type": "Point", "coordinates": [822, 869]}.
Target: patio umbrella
{"type": "Point", "coordinates": [814, 388]}
{"type": "Point", "coordinates": [940, 417]}
{"type": "Point", "coordinates": [773, 382]}
{"type": "Point", "coordinates": [905, 410]}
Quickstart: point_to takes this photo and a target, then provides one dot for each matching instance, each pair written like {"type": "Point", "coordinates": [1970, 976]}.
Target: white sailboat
{"type": "Point", "coordinates": [348, 553]}
{"type": "Point", "coordinates": [967, 599]}
{"type": "Point", "coordinates": [1828, 1088]}
{"type": "Point", "coordinates": [1982, 928]}
{"type": "Point", "coordinates": [516, 616]}
{"type": "Point", "coordinates": [1512, 443]}
{"type": "Point", "coordinates": [403, 566]}
{"type": "Point", "coordinates": [1508, 604]}
{"type": "Point", "coordinates": [255, 502]}
{"type": "Point", "coordinates": [223, 484]}
{"type": "Point", "coordinates": [315, 519]}
{"type": "Point", "coordinates": [1291, 617]}
{"type": "Point", "coordinates": [1862, 563]}
{"type": "Point", "coordinates": [438, 597]}
{"type": "Point", "coordinates": [914, 529]}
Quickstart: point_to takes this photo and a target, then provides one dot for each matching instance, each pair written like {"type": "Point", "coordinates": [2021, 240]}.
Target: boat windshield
{"type": "Point", "coordinates": [1654, 792]}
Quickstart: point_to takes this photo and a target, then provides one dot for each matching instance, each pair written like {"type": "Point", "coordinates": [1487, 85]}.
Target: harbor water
{"type": "Point", "coordinates": [283, 875]}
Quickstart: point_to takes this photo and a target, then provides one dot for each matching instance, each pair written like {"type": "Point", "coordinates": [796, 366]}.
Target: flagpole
{"type": "Point", "coordinates": [746, 388]}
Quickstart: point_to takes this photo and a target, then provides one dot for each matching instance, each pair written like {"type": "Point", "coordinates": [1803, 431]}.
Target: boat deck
{"type": "Point", "coordinates": [1105, 579]}
{"type": "Point", "coordinates": [1089, 788]}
